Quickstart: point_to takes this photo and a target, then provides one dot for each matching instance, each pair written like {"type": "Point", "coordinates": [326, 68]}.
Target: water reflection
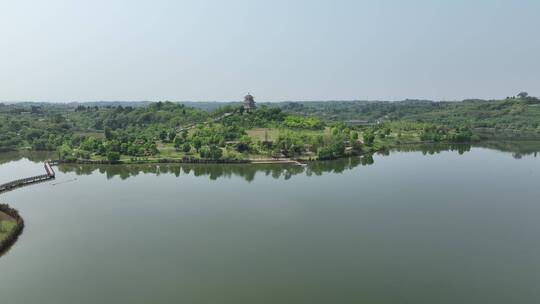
{"type": "Point", "coordinates": [248, 172]}
{"type": "Point", "coordinates": [34, 156]}
{"type": "Point", "coordinates": [524, 148]}
{"type": "Point", "coordinates": [431, 149]}
{"type": "Point", "coordinates": [215, 171]}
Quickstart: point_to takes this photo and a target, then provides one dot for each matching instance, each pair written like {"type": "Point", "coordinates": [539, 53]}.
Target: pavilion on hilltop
{"type": "Point", "coordinates": [249, 102]}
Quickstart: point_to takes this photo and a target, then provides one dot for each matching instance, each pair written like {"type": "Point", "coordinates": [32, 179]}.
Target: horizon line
{"type": "Point", "coordinates": [232, 101]}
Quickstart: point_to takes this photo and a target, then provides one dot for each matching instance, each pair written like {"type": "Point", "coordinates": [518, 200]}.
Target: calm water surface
{"type": "Point", "coordinates": [409, 227]}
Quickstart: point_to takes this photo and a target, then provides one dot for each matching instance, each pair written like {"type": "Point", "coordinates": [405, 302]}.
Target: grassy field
{"type": "Point", "coordinates": [272, 134]}
{"type": "Point", "coordinates": [6, 225]}
{"type": "Point", "coordinates": [261, 133]}
{"type": "Point", "coordinates": [167, 150]}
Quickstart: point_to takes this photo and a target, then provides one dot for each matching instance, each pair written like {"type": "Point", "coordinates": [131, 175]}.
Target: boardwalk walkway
{"type": "Point", "coordinates": [49, 174]}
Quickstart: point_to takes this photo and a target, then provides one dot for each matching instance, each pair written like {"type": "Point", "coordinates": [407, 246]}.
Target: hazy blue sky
{"type": "Point", "coordinates": [278, 50]}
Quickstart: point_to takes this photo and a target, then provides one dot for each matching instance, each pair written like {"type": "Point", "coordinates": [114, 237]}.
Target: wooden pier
{"type": "Point", "coordinates": [49, 174]}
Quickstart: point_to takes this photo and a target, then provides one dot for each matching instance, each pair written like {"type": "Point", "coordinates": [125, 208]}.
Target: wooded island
{"type": "Point", "coordinates": [119, 132]}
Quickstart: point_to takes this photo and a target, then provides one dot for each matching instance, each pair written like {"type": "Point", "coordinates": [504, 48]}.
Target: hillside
{"type": "Point", "coordinates": [309, 130]}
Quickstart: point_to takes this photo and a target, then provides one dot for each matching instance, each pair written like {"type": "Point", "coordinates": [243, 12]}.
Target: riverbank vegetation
{"type": "Point", "coordinates": [11, 226]}
{"type": "Point", "coordinates": [6, 225]}
{"type": "Point", "coordinates": [160, 131]}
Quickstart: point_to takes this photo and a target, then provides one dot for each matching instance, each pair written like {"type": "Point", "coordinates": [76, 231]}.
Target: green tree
{"type": "Point", "coordinates": [212, 152]}
{"type": "Point", "coordinates": [178, 141]}
{"type": "Point", "coordinates": [108, 133]}
{"type": "Point", "coordinates": [113, 156]}
{"type": "Point", "coordinates": [163, 135]}
{"type": "Point", "coordinates": [65, 152]}
{"type": "Point", "coordinates": [369, 138]}
{"type": "Point", "coordinates": [171, 136]}
{"type": "Point", "coordinates": [243, 143]}
{"type": "Point", "coordinates": [186, 147]}
{"type": "Point", "coordinates": [353, 136]}
{"type": "Point", "coordinates": [197, 143]}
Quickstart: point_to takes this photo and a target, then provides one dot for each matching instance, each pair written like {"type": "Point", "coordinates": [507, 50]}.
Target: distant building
{"type": "Point", "coordinates": [249, 102]}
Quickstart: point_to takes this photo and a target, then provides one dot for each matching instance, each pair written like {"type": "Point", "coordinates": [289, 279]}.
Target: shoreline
{"type": "Point", "coordinates": [301, 161]}
{"type": "Point", "coordinates": [283, 161]}
{"type": "Point", "coordinates": [15, 232]}
{"type": "Point", "coordinates": [11, 238]}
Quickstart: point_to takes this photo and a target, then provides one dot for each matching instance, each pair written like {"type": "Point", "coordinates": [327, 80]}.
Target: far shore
{"type": "Point", "coordinates": [284, 161]}
{"type": "Point", "coordinates": [299, 160]}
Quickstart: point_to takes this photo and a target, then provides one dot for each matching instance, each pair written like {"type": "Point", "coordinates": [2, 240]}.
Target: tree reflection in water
{"type": "Point", "coordinates": [216, 171]}
{"type": "Point", "coordinates": [247, 171]}
{"type": "Point", "coordinates": [33, 156]}
{"type": "Point", "coordinates": [277, 171]}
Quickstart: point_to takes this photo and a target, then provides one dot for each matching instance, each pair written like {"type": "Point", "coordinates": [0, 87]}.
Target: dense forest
{"type": "Point", "coordinates": [520, 113]}
{"type": "Point", "coordinates": [146, 131]}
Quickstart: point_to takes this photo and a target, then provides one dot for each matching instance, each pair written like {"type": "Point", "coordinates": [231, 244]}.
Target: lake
{"type": "Point", "coordinates": [440, 225]}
